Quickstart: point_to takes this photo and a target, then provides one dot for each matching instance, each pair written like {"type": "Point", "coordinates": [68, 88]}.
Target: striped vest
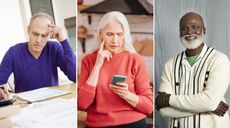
{"type": "Point", "coordinates": [189, 81]}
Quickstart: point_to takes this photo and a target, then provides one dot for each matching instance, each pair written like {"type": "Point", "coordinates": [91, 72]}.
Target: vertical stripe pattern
{"type": "Point", "coordinates": [188, 80]}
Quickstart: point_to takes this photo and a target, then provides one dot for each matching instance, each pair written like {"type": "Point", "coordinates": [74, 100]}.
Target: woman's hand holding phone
{"type": "Point", "coordinates": [102, 54]}
{"type": "Point", "coordinates": [121, 89]}
{"type": "Point", "coordinates": [119, 86]}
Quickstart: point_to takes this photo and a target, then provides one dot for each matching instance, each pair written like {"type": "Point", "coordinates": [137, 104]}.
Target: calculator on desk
{"type": "Point", "coordinates": [5, 102]}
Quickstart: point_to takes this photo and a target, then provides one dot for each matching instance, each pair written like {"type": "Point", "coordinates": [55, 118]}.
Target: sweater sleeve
{"type": "Point", "coordinates": [67, 60]}
{"type": "Point", "coordinates": [6, 67]}
{"type": "Point", "coordinates": [86, 93]}
{"type": "Point", "coordinates": [174, 113]}
{"type": "Point", "coordinates": [214, 92]}
{"type": "Point", "coordinates": [166, 86]}
{"type": "Point", "coordinates": [143, 89]}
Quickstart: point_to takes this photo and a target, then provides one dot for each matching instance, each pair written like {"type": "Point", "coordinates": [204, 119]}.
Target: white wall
{"type": "Point", "coordinates": [25, 12]}
{"type": "Point", "coordinates": [63, 9]}
{"type": "Point", "coordinates": [11, 24]}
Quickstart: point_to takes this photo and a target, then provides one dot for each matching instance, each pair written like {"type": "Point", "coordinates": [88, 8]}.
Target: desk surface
{"type": "Point", "coordinates": [68, 87]}
{"type": "Point", "coordinates": [81, 117]}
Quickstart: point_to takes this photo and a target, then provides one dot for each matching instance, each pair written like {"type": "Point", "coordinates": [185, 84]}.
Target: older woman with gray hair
{"type": "Point", "coordinates": [123, 104]}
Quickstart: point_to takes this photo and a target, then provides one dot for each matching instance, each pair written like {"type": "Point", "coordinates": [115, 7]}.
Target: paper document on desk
{"type": "Point", "coordinates": [40, 94]}
{"type": "Point", "coordinates": [57, 113]}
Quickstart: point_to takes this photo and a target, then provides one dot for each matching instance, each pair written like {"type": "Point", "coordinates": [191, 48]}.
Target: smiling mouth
{"type": "Point", "coordinates": [190, 37]}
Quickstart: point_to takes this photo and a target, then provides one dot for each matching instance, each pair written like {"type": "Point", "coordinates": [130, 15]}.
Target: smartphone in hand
{"type": "Point", "coordinates": [118, 78]}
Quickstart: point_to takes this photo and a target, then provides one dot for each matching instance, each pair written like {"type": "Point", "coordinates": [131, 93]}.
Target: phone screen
{"type": "Point", "coordinates": [118, 78]}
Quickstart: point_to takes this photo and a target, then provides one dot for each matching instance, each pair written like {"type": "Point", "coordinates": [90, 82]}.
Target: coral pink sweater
{"type": "Point", "coordinates": [104, 107]}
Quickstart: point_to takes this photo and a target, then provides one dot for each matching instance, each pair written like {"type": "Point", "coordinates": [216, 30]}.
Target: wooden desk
{"type": "Point", "coordinates": [81, 117]}
{"type": "Point", "coordinates": [5, 122]}
{"type": "Point", "coordinates": [68, 87]}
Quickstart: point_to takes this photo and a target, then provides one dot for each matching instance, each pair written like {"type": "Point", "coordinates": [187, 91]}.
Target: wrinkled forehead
{"type": "Point", "coordinates": [191, 18]}
{"type": "Point", "coordinates": [113, 26]}
{"type": "Point", "coordinates": [40, 22]}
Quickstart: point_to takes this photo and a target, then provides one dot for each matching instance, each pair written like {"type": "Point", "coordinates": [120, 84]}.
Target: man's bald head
{"type": "Point", "coordinates": [191, 15]}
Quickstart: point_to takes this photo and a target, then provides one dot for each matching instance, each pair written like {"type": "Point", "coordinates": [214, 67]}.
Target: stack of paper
{"type": "Point", "coordinates": [57, 113]}
{"type": "Point", "coordinates": [40, 94]}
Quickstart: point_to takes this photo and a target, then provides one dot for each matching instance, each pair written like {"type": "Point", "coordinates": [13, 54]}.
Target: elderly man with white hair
{"type": "Point", "coordinates": [193, 84]}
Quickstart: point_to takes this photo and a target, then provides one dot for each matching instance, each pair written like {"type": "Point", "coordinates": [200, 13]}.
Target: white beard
{"type": "Point", "coordinates": [194, 43]}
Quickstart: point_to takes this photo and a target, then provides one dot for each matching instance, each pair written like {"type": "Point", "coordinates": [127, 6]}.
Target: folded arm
{"type": "Point", "coordinates": [187, 105]}
{"type": "Point", "coordinates": [166, 86]}
{"type": "Point", "coordinates": [211, 96]}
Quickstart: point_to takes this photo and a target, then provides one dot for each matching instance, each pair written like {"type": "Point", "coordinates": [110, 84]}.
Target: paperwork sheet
{"type": "Point", "coordinates": [40, 94]}
{"type": "Point", "coordinates": [57, 113]}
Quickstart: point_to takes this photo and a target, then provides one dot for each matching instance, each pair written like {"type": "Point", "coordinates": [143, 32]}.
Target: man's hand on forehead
{"type": "Point", "coordinates": [51, 25]}
{"type": "Point", "coordinates": [55, 32]}
{"type": "Point", "coordinates": [50, 28]}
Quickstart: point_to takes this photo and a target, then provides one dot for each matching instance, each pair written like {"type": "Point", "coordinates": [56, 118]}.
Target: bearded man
{"type": "Point", "coordinates": [193, 84]}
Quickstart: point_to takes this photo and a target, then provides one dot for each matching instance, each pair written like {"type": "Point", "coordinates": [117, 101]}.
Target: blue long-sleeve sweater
{"type": "Point", "coordinates": [31, 73]}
